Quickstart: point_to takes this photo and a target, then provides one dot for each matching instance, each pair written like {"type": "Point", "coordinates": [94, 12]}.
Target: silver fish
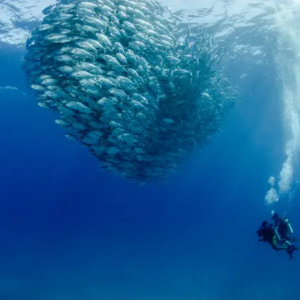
{"type": "Point", "coordinates": [85, 45]}
{"type": "Point", "coordinates": [118, 47]}
{"type": "Point", "coordinates": [136, 104]}
{"type": "Point", "coordinates": [118, 93]}
{"type": "Point", "coordinates": [112, 61]}
{"type": "Point", "coordinates": [37, 87]}
{"type": "Point", "coordinates": [96, 23]}
{"type": "Point", "coordinates": [136, 45]}
{"type": "Point", "coordinates": [79, 106]}
{"type": "Point", "coordinates": [82, 53]}
{"type": "Point", "coordinates": [49, 81]}
{"type": "Point", "coordinates": [88, 82]}
{"type": "Point", "coordinates": [104, 82]}
{"type": "Point", "coordinates": [87, 5]}
{"type": "Point", "coordinates": [55, 38]}
{"type": "Point", "coordinates": [125, 83]}
{"type": "Point", "coordinates": [104, 40]}
{"type": "Point", "coordinates": [129, 26]}
{"type": "Point", "coordinates": [92, 68]}
{"type": "Point", "coordinates": [122, 59]}
{"type": "Point", "coordinates": [82, 75]}
{"type": "Point", "coordinates": [131, 57]}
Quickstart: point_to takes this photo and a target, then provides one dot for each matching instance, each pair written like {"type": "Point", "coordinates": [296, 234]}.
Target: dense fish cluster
{"type": "Point", "coordinates": [126, 84]}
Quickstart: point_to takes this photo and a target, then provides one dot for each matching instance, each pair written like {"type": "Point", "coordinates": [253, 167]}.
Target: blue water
{"type": "Point", "coordinates": [71, 231]}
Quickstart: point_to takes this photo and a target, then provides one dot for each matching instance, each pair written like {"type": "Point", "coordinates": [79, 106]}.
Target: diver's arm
{"type": "Point", "coordinates": [277, 234]}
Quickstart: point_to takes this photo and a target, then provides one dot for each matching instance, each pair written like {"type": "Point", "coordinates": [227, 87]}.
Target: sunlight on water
{"type": "Point", "coordinates": [287, 17]}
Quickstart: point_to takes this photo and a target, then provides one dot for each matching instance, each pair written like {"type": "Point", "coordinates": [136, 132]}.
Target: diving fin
{"type": "Point", "coordinates": [290, 252]}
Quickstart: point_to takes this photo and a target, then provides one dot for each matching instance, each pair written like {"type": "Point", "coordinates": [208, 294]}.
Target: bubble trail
{"type": "Point", "coordinates": [287, 17]}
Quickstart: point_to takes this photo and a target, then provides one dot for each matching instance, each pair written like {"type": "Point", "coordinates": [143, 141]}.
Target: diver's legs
{"type": "Point", "coordinates": [277, 248]}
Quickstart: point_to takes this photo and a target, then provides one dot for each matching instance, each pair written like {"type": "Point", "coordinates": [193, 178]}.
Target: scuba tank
{"type": "Point", "coordinates": [291, 231]}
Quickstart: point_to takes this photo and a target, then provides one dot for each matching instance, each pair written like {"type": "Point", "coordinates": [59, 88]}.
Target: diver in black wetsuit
{"type": "Point", "coordinates": [282, 227]}
{"type": "Point", "coordinates": [268, 233]}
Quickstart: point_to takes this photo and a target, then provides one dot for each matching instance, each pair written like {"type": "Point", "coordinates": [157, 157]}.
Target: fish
{"type": "Point", "coordinates": [137, 104]}
{"type": "Point", "coordinates": [85, 45]}
{"type": "Point", "coordinates": [118, 93]}
{"type": "Point", "coordinates": [122, 15]}
{"type": "Point", "coordinates": [139, 14]}
{"type": "Point", "coordinates": [104, 40]}
{"type": "Point", "coordinates": [48, 10]}
{"type": "Point", "coordinates": [112, 61]}
{"type": "Point", "coordinates": [129, 26]}
{"type": "Point", "coordinates": [131, 57]}
{"type": "Point", "coordinates": [140, 37]}
{"type": "Point", "coordinates": [82, 75]}
{"type": "Point", "coordinates": [114, 20]}
{"type": "Point", "coordinates": [95, 44]}
{"type": "Point", "coordinates": [85, 11]}
{"type": "Point", "coordinates": [136, 77]}
{"type": "Point", "coordinates": [141, 116]}
{"type": "Point", "coordinates": [79, 106]}
{"type": "Point", "coordinates": [110, 4]}
{"type": "Point", "coordinates": [55, 38]}
{"type": "Point", "coordinates": [136, 45]}
{"type": "Point", "coordinates": [172, 59]}
{"type": "Point", "coordinates": [65, 7]}
{"type": "Point", "coordinates": [108, 102]}
{"type": "Point", "coordinates": [86, 66]}
{"type": "Point", "coordinates": [62, 123]}
{"type": "Point", "coordinates": [81, 53]}
{"type": "Point", "coordinates": [104, 82]}
{"type": "Point", "coordinates": [65, 69]}
{"type": "Point", "coordinates": [121, 58]}
{"type": "Point", "coordinates": [144, 25]}
{"type": "Point", "coordinates": [119, 48]}
{"type": "Point", "coordinates": [45, 27]}
{"type": "Point", "coordinates": [125, 83]}
{"type": "Point", "coordinates": [89, 28]}
{"type": "Point", "coordinates": [115, 124]}
{"type": "Point", "coordinates": [52, 95]}
{"type": "Point", "coordinates": [71, 137]}
{"type": "Point", "coordinates": [49, 81]}
{"type": "Point", "coordinates": [128, 138]}
{"type": "Point", "coordinates": [37, 87]}
{"type": "Point", "coordinates": [102, 25]}
{"type": "Point", "coordinates": [87, 82]}
{"type": "Point", "coordinates": [144, 64]}
{"type": "Point", "coordinates": [114, 32]}
{"type": "Point", "coordinates": [63, 58]}
{"type": "Point", "coordinates": [88, 5]}
{"type": "Point", "coordinates": [106, 10]}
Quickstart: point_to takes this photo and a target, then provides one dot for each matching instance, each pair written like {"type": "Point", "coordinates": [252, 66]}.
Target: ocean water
{"type": "Point", "coordinates": [71, 231]}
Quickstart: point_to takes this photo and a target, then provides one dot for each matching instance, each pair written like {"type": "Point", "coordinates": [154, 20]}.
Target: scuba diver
{"type": "Point", "coordinates": [283, 228]}
{"type": "Point", "coordinates": [270, 233]}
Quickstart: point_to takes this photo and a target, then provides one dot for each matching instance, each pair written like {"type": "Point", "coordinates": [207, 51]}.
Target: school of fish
{"type": "Point", "coordinates": [125, 84]}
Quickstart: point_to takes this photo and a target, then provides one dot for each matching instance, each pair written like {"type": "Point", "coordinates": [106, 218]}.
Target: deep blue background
{"type": "Point", "coordinates": [71, 231]}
